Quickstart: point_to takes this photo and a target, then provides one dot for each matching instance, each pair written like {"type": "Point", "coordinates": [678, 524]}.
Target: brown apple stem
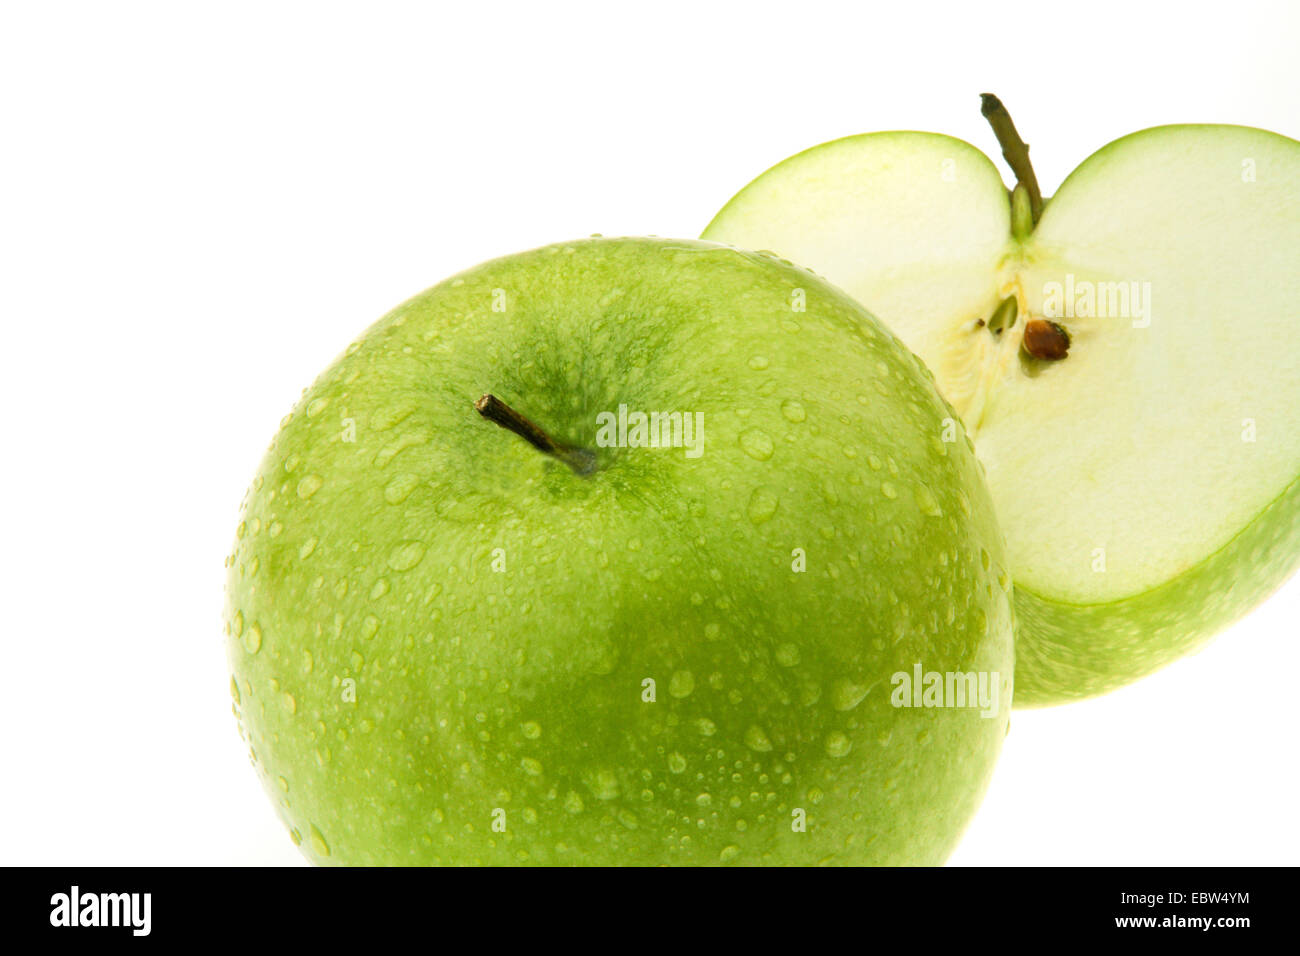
{"type": "Point", "coordinates": [581, 460]}
{"type": "Point", "coordinates": [1014, 150]}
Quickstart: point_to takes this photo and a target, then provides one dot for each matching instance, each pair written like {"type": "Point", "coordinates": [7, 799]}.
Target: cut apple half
{"type": "Point", "coordinates": [1128, 366]}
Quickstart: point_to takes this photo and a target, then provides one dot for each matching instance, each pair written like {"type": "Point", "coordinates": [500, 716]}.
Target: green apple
{"type": "Point", "coordinates": [473, 619]}
{"type": "Point", "coordinates": [1128, 364]}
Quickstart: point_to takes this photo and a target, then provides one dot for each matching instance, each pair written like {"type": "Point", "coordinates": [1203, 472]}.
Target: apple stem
{"type": "Point", "coordinates": [1014, 150]}
{"type": "Point", "coordinates": [581, 460]}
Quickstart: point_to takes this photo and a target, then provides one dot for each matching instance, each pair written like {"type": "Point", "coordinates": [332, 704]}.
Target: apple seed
{"type": "Point", "coordinates": [1045, 340]}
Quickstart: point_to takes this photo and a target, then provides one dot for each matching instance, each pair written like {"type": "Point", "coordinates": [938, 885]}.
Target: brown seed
{"type": "Point", "coordinates": [1045, 340]}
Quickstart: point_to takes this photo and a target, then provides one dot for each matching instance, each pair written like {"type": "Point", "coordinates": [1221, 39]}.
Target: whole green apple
{"type": "Point", "coordinates": [482, 611]}
{"type": "Point", "coordinates": [1124, 356]}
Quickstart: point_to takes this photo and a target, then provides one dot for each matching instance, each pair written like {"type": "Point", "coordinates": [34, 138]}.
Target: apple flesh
{"type": "Point", "coordinates": [449, 646]}
{"type": "Point", "coordinates": [1145, 472]}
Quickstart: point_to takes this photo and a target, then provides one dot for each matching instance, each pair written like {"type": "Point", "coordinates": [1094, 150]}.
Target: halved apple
{"type": "Point", "coordinates": [1128, 365]}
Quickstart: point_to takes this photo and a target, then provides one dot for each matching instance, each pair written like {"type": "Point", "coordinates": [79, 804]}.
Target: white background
{"type": "Point", "coordinates": [201, 205]}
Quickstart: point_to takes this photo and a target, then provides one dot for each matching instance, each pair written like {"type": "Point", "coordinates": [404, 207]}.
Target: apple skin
{"type": "Point", "coordinates": [1062, 660]}
{"type": "Point", "coordinates": [402, 698]}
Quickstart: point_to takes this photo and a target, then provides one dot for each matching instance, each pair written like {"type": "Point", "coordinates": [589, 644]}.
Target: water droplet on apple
{"type": "Point", "coordinates": [406, 555]}
{"type": "Point", "coordinates": [793, 411]}
{"type": "Point", "coordinates": [603, 784]}
{"type": "Point", "coordinates": [888, 490]}
{"type": "Point", "coordinates": [847, 694]}
{"type": "Point", "coordinates": [758, 363]}
{"type": "Point", "coordinates": [392, 415]}
{"type": "Point", "coordinates": [309, 485]}
{"type": "Point", "coordinates": [762, 505]}
{"type": "Point", "coordinates": [729, 853]}
{"type": "Point", "coordinates": [681, 684]}
{"type": "Point", "coordinates": [756, 739]}
{"type": "Point", "coordinates": [838, 744]}
{"type": "Point", "coordinates": [757, 444]}
{"type": "Point", "coordinates": [400, 488]}
{"type": "Point", "coordinates": [252, 640]}
{"type": "Point", "coordinates": [787, 655]}
{"type": "Point", "coordinates": [927, 502]}
{"type": "Point", "coordinates": [398, 445]}
{"type": "Point", "coordinates": [317, 840]}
